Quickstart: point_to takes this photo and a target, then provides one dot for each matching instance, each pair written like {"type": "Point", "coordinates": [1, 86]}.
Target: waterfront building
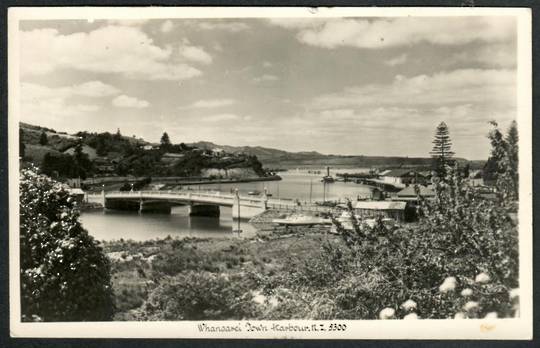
{"type": "Point", "coordinates": [385, 209]}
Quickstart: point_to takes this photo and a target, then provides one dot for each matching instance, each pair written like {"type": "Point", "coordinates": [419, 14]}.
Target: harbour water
{"type": "Point", "coordinates": [301, 185]}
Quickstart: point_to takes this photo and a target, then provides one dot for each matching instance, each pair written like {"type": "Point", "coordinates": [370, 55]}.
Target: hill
{"type": "Point", "coordinates": [86, 154]}
{"type": "Point", "coordinates": [274, 158]}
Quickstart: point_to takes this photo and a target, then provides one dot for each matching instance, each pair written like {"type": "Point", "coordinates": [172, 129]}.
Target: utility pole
{"type": "Point", "coordinates": [237, 193]}
{"type": "Point", "coordinates": [310, 189]}
{"type": "Point", "coordinates": [324, 191]}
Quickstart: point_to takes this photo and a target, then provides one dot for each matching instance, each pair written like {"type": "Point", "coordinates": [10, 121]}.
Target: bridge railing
{"type": "Point", "coordinates": [212, 196]}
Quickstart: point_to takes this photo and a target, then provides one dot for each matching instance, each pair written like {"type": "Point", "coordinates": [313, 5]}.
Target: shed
{"type": "Point", "coordinates": [389, 209]}
{"type": "Point", "coordinates": [77, 193]}
{"type": "Point", "coordinates": [409, 193]}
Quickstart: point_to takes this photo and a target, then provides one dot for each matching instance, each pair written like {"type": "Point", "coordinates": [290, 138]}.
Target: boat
{"type": "Point", "coordinates": [254, 193]}
{"type": "Point", "coordinates": [302, 220]}
{"type": "Point", "coordinates": [346, 223]}
{"type": "Point", "coordinates": [328, 179]}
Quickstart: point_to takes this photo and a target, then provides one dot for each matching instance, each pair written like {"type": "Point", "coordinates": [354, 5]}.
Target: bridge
{"type": "Point", "coordinates": [205, 203]}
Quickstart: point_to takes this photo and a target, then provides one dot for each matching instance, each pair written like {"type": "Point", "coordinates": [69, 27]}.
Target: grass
{"type": "Point", "coordinates": [141, 266]}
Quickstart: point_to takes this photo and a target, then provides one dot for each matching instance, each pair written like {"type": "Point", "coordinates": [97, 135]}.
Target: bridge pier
{"type": "Point", "coordinates": [204, 210]}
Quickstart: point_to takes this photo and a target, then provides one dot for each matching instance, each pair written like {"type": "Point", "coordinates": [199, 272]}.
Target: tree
{"type": "Point", "coordinates": [512, 140]}
{"type": "Point", "coordinates": [504, 162]}
{"type": "Point", "coordinates": [442, 149]}
{"type": "Point", "coordinates": [165, 141]}
{"type": "Point", "coordinates": [64, 274]}
{"type": "Point", "coordinates": [43, 139]}
{"type": "Point", "coordinates": [118, 135]}
{"type": "Point", "coordinates": [82, 162]}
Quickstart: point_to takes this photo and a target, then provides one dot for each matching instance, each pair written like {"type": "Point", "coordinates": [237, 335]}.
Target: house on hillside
{"type": "Point", "coordinates": [384, 209]}
{"type": "Point", "coordinates": [90, 151]}
{"type": "Point", "coordinates": [103, 165]}
{"type": "Point", "coordinates": [172, 158]}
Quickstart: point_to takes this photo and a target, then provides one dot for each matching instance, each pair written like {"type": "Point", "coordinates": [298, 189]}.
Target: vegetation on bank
{"type": "Point", "coordinates": [106, 154]}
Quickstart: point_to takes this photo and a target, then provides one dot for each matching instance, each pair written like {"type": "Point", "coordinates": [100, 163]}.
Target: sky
{"type": "Point", "coordinates": [356, 86]}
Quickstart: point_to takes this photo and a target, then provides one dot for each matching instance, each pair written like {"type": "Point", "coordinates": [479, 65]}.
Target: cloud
{"type": "Point", "coordinates": [221, 118]}
{"type": "Point", "coordinates": [297, 23]}
{"type": "Point", "coordinates": [93, 89]}
{"type": "Point", "coordinates": [195, 54]}
{"type": "Point", "coordinates": [266, 77]}
{"type": "Point", "coordinates": [396, 32]}
{"type": "Point", "coordinates": [401, 59]}
{"type": "Point", "coordinates": [128, 22]}
{"type": "Point", "coordinates": [232, 27]}
{"type": "Point", "coordinates": [124, 101]}
{"type": "Point", "coordinates": [267, 64]}
{"type": "Point", "coordinates": [111, 49]}
{"type": "Point", "coordinates": [39, 103]}
{"type": "Point", "coordinates": [212, 103]}
{"type": "Point", "coordinates": [488, 86]}
{"type": "Point", "coordinates": [167, 26]}
{"type": "Point", "coordinates": [498, 56]}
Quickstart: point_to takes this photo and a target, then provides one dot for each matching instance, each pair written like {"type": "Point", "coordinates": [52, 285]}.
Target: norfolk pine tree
{"type": "Point", "coordinates": [442, 149]}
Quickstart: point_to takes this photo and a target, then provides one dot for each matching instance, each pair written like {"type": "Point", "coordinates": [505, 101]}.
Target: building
{"type": "Point", "coordinates": [90, 151]}
{"type": "Point", "coordinates": [77, 193]}
{"type": "Point", "coordinates": [385, 209]}
{"type": "Point", "coordinates": [171, 158]}
{"type": "Point", "coordinates": [399, 177]}
{"type": "Point", "coordinates": [409, 193]}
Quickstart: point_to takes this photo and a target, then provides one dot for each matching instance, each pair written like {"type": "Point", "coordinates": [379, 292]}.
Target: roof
{"type": "Point", "coordinates": [410, 191]}
{"type": "Point", "coordinates": [381, 205]}
{"type": "Point", "coordinates": [398, 172]}
{"type": "Point", "coordinates": [173, 155]}
{"type": "Point", "coordinates": [91, 152]}
{"type": "Point", "coordinates": [75, 191]}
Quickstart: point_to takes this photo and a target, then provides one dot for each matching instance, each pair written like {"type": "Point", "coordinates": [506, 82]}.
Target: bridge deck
{"type": "Point", "coordinates": [214, 197]}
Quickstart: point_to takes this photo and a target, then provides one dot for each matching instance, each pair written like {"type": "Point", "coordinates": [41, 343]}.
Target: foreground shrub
{"type": "Point", "coordinates": [64, 274]}
{"type": "Point", "coordinates": [200, 295]}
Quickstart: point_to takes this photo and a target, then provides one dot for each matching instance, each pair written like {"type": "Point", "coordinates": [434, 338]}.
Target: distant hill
{"type": "Point", "coordinates": [274, 158]}
{"type": "Point", "coordinates": [270, 158]}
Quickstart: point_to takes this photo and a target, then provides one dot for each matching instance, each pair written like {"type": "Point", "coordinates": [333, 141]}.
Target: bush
{"type": "Point", "coordinates": [64, 274]}
{"type": "Point", "coordinates": [200, 295]}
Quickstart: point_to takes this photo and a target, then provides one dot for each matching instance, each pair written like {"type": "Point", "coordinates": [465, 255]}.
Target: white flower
{"type": "Point", "coordinates": [449, 284]}
{"type": "Point", "coordinates": [408, 305]}
{"type": "Point", "coordinates": [482, 278]}
{"type": "Point", "coordinates": [460, 315]}
{"type": "Point", "coordinates": [514, 293]}
{"type": "Point", "coordinates": [466, 292]}
{"type": "Point", "coordinates": [469, 306]}
{"type": "Point", "coordinates": [411, 316]}
{"type": "Point", "coordinates": [387, 313]}
{"type": "Point", "coordinates": [491, 315]}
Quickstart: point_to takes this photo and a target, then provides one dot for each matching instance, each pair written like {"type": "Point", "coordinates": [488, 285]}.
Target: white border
{"type": "Point", "coordinates": [519, 328]}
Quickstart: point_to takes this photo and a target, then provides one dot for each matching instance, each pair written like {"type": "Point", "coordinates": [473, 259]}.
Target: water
{"type": "Point", "coordinates": [113, 225]}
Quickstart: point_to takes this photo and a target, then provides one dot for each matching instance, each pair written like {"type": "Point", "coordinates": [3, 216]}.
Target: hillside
{"type": "Point", "coordinates": [273, 158]}
{"type": "Point", "coordinates": [87, 154]}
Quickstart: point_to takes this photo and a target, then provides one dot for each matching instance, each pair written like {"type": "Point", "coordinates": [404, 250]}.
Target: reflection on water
{"type": "Point", "coordinates": [111, 225]}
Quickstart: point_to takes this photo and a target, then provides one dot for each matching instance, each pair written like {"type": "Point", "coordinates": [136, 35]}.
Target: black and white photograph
{"type": "Point", "coordinates": [267, 173]}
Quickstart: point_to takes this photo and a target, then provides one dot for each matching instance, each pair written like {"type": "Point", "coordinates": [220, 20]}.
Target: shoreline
{"type": "Point", "coordinates": [109, 181]}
